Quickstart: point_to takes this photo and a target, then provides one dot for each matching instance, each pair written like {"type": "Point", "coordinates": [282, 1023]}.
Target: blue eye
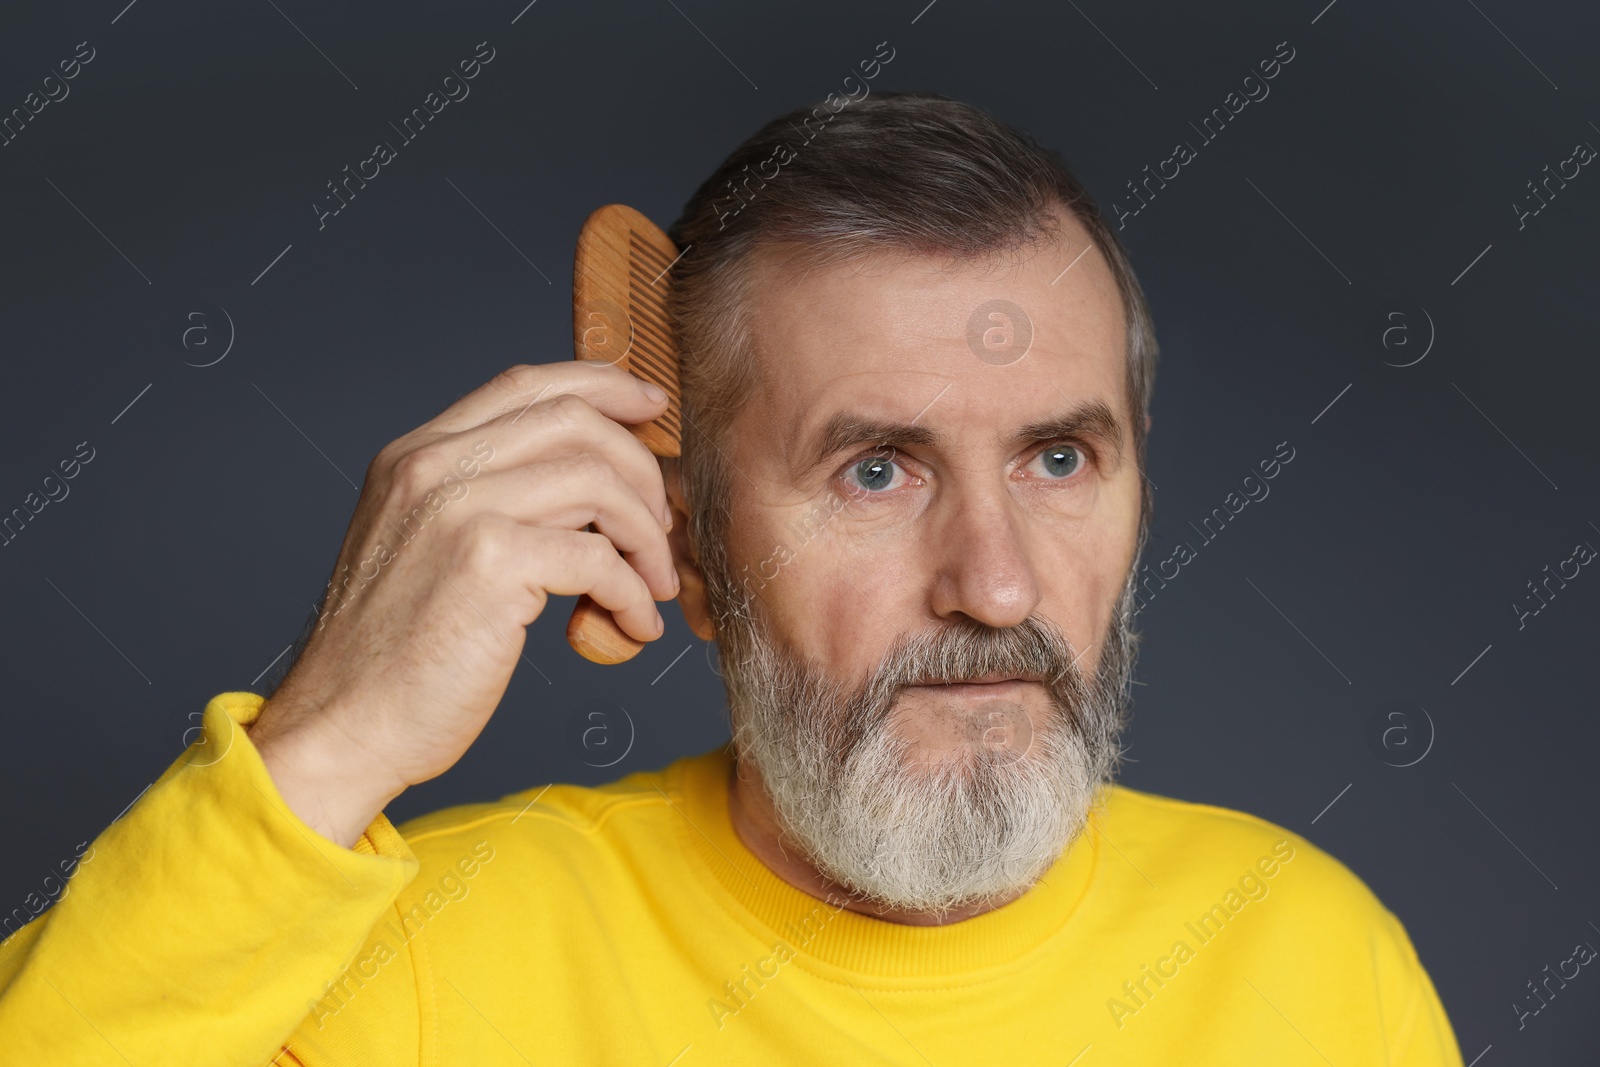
{"type": "Point", "coordinates": [875, 473]}
{"type": "Point", "coordinates": [1062, 461]}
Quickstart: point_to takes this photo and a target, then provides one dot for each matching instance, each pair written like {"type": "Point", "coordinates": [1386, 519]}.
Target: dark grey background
{"type": "Point", "coordinates": [1384, 563]}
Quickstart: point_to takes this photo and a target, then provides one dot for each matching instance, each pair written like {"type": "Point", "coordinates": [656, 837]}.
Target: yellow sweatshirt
{"type": "Point", "coordinates": [627, 924]}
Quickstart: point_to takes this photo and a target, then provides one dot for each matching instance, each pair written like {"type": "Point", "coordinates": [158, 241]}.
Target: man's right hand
{"type": "Point", "coordinates": [463, 530]}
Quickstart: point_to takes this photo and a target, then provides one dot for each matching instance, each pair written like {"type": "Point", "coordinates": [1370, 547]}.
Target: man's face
{"type": "Point", "coordinates": [995, 535]}
{"type": "Point", "coordinates": [844, 554]}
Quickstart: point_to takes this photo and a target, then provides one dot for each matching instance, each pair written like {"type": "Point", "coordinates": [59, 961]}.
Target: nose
{"type": "Point", "coordinates": [983, 566]}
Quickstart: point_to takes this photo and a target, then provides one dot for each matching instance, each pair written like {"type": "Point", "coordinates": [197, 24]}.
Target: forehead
{"type": "Point", "coordinates": [887, 333]}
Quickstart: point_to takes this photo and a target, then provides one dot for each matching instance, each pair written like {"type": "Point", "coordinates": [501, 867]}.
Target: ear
{"type": "Point", "coordinates": [692, 591]}
{"type": "Point", "coordinates": [1147, 421]}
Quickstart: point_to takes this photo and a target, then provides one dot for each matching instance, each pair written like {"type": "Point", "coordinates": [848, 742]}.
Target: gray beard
{"type": "Point", "coordinates": [977, 826]}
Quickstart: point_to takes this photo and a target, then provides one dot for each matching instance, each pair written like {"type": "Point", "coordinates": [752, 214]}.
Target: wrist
{"type": "Point", "coordinates": [335, 792]}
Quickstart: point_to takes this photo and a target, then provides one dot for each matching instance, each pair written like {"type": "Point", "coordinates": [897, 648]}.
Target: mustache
{"type": "Point", "coordinates": [954, 653]}
{"type": "Point", "coordinates": [1034, 649]}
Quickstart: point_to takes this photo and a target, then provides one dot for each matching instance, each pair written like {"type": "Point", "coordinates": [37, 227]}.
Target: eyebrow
{"type": "Point", "coordinates": [1092, 421]}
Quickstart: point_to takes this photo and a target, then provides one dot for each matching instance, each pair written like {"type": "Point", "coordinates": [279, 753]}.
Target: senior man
{"type": "Point", "coordinates": [909, 509]}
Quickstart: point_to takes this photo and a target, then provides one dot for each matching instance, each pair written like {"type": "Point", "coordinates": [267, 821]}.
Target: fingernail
{"type": "Point", "coordinates": [654, 392]}
{"type": "Point", "coordinates": [661, 624]}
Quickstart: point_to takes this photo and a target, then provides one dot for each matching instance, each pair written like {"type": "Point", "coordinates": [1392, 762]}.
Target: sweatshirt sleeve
{"type": "Point", "coordinates": [203, 925]}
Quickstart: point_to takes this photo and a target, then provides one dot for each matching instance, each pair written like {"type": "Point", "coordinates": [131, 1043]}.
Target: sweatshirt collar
{"type": "Point", "coordinates": [851, 941]}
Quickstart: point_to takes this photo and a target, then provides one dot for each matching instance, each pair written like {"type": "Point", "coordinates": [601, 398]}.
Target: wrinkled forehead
{"type": "Point", "coordinates": [968, 349]}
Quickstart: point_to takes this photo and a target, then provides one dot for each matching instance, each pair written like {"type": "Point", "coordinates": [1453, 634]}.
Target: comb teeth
{"type": "Point", "coordinates": [653, 354]}
{"type": "Point", "coordinates": [643, 250]}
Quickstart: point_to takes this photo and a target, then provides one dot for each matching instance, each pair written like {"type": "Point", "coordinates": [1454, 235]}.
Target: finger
{"type": "Point", "coordinates": [569, 493]}
{"type": "Point", "coordinates": [615, 392]}
{"type": "Point", "coordinates": [570, 563]}
{"type": "Point", "coordinates": [564, 426]}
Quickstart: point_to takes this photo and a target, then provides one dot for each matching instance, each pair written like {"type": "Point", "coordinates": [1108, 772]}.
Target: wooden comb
{"type": "Point", "coordinates": [619, 316]}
